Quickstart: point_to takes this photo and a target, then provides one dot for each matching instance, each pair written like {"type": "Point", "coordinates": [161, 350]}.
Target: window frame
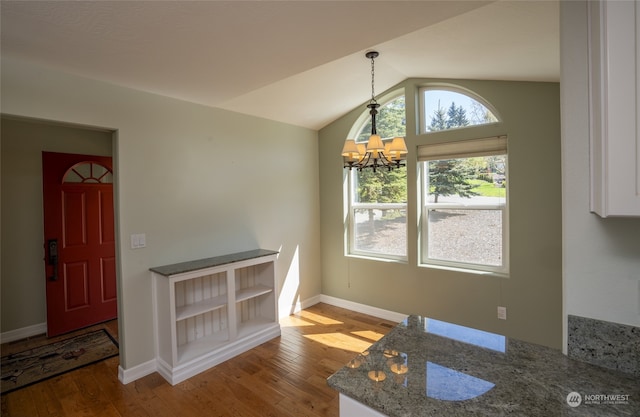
{"type": "Point", "coordinates": [350, 194]}
{"type": "Point", "coordinates": [426, 206]}
{"type": "Point", "coordinates": [78, 174]}
{"type": "Point", "coordinates": [469, 141]}
{"type": "Point", "coordinates": [422, 117]}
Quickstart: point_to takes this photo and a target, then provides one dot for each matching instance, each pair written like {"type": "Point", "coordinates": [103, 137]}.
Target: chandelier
{"type": "Point", "coordinates": [376, 153]}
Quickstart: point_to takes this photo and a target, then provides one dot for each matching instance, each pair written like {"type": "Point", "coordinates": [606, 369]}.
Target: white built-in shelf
{"type": "Point", "coordinates": [209, 310]}
{"type": "Point", "coordinates": [200, 307]}
{"type": "Point", "coordinates": [252, 292]}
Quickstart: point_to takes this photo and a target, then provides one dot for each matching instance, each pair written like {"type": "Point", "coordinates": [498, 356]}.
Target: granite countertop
{"type": "Point", "coordinates": [182, 267]}
{"type": "Point", "coordinates": [434, 368]}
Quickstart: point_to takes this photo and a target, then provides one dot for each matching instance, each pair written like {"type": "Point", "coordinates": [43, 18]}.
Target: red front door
{"type": "Point", "coordinates": [79, 239]}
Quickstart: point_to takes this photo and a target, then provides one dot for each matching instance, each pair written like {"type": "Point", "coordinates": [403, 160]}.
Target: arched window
{"type": "Point", "coordinates": [449, 108]}
{"type": "Point", "coordinates": [464, 217]}
{"type": "Point", "coordinates": [377, 201]}
{"type": "Point", "coordinates": [88, 173]}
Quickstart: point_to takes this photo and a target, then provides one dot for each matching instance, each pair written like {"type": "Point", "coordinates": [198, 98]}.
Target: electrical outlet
{"type": "Point", "coordinates": [502, 313]}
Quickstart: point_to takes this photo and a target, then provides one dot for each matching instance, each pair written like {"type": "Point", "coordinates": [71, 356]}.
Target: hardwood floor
{"type": "Point", "coordinates": [285, 377]}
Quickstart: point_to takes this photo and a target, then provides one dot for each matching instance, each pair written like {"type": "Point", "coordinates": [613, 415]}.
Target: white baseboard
{"type": "Point", "coordinates": [129, 375]}
{"type": "Point", "coordinates": [363, 308]}
{"type": "Point", "coordinates": [23, 333]}
{"type": "Point", "coordinates": [285, 311]}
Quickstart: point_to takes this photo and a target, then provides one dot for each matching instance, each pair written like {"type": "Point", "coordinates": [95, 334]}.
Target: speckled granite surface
{"type": "Point", "coordinates": [454, 371]}
{"type": "Point", "coordinates": [611, 345]}
{"type": "Point", "coordinates": [189, 266]}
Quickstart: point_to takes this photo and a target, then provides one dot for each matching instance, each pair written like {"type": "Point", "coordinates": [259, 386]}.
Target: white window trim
{"type": "Point", "coordinates": [454, 150]}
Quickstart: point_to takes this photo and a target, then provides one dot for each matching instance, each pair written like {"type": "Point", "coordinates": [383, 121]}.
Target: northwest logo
{"type": "Point", "coordinates": [574, 399]}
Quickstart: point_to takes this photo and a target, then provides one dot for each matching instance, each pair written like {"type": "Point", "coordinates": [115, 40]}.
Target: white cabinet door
{"type": "Point", "coordinates": [614, 107]}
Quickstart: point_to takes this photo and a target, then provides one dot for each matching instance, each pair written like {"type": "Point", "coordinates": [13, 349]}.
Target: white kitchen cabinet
{"type": "Point", "coordinates": [209, 310]}
{"type": "Point", "coordinates": [614, 95]}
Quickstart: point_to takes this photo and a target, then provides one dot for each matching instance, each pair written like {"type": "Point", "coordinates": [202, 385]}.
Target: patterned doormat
{"type": "Point", "coordinates": [39, 363]}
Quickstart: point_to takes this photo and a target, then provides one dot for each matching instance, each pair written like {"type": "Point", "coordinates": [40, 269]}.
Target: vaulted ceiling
{"type": "Point", "coordinates": [299, 62]}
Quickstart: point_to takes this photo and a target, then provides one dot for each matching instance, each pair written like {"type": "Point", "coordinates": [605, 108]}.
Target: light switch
{"type": "Point", "coordinates": [138, 240]}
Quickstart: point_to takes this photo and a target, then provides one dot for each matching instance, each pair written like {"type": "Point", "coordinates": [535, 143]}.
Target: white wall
{"type": "Point", "coordinates": [198, 181]}
{"type": "Point", "coordinates": [601, 256]}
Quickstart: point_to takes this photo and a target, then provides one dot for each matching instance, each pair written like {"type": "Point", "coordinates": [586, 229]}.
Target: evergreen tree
{"type": "Point", "coordinates": [450, 177]}
{"type": "Point", "coordinates": [438, 120]}
{"type": "Point", "coordinates": [382, 186]}
{"type": "Point", "coordinates": [461, 117]}
{"type": "Point", "coordinates": [391, 121]}
{"type": "Point", "coordinates": [456, 116]}
{"type": "Point", "coordinates": [369, 186]}
{"type": "Point", "coordinates": [451, 116]}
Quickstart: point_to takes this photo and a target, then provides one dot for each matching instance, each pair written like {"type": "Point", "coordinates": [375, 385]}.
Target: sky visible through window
{"type": "Point", "coordinates": [476, 112]}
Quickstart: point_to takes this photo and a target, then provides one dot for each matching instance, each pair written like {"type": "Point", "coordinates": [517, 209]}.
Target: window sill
{"type": "Point", "coordinates": [466, 270]}
{"type": "Point", "coordinates": [376, 258]}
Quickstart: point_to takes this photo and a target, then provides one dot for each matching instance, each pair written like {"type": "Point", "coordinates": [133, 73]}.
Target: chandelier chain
{"type": "Point", "coordinates": [373, 93]}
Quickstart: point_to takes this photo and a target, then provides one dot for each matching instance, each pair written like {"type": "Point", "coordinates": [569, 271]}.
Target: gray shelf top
{"type": "Point", "coordinates": [182, 267]}
{"type": "Point", "coordinates": [443, 369]}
